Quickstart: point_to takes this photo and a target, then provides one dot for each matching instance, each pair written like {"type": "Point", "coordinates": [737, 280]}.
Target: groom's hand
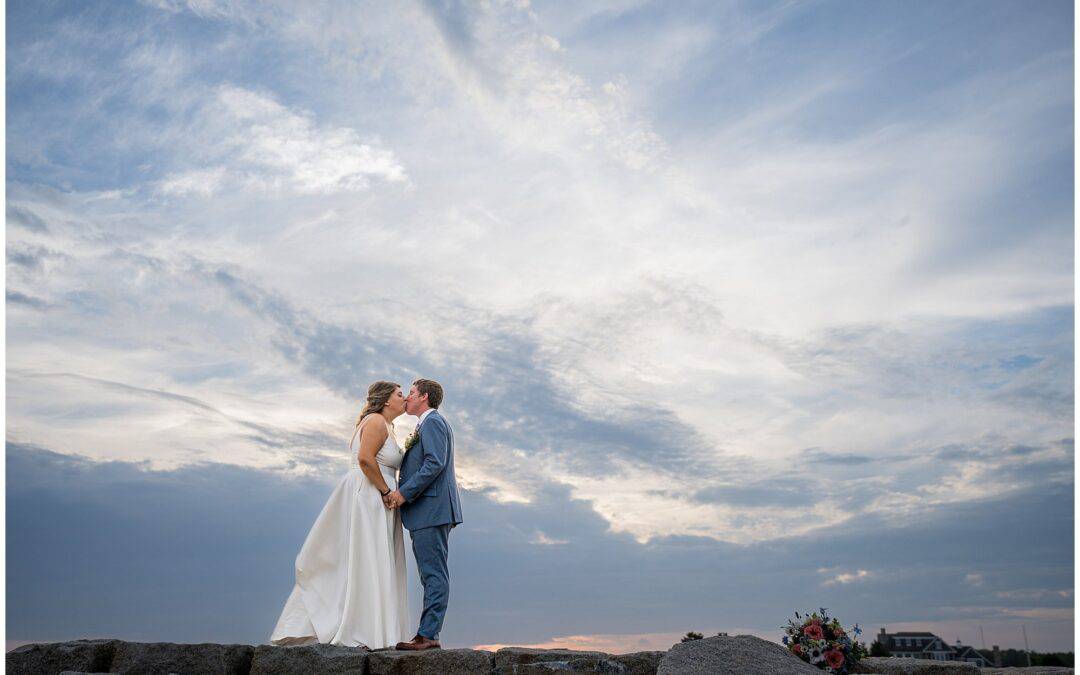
{"type": "Point", "coordinates": [395, 499]}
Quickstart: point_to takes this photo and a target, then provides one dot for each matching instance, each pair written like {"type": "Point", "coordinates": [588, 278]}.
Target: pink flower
{"type": "Point", "coordinates": [797, 649]}
{"type": "Point", "coordinates": [814, 632]}
{"type": "Point", "coordinates": [834, 658]}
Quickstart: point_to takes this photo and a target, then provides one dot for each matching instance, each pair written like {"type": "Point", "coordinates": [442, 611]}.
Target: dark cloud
{"type": "Point", "coordinates": [454, 22]}
{"type": "Point", "coordinates": [763, 493]}
{"type": "Point", "coordinates": [25, 218]}
{"type": "Point", "coordinates": [30, 258]}
{"type": "Point", "coordinates": [1020, 362]}
{"type": "Point", "coordinates": [1021, 450]}
{"type": "Point", "coordinates": [17, 298]}
{"type": "Point", "coordinates": [958, 453]}
{"type": "Point", "coordinates": [205, 552]}
{"type": "Point", "coordinates": [818, 456]}
{"type": "Point", "coordinates": [507, 383]}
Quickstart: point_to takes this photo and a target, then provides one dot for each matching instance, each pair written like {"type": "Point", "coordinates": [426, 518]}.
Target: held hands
{"type": "Point", "coordinates": [393, 500]}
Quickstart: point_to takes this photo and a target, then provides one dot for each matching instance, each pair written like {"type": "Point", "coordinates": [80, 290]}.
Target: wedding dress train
{"type": "Point", "coordinates": [350, 574]}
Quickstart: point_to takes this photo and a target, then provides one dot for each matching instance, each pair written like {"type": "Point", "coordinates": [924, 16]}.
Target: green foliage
{"type": "Point", "coordinates": [879, 649]}
{"type": "Point", "coordinates": [1018, 658]}
{"type": "Point", "coordinates": [1052, 659]}
{"type": "Point", "coordinates": [692, 636]}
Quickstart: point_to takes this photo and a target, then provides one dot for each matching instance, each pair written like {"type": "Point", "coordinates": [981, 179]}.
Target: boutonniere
{"type": "Point", "coordinates": [412, 440]}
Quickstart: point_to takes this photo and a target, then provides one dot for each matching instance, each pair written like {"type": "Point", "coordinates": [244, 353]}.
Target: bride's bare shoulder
{"type": "Point", "coordinates": [377, 428]}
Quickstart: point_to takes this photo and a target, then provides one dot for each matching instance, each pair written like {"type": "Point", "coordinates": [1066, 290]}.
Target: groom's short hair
{"type": "Point", "coordinates": [433, 390]}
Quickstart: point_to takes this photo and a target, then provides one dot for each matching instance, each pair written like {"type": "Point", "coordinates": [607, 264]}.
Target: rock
{"type": "Point", "coordinates": [640, 663]}
{"type": "Point", "coordinates": [88, 656]}
{"type": "Point", "coordinates": [891, 665]}
{"type": "Point", "coordinates": [734, 655]}
{"type": "Point", "coordinates": [312, 658]}
{"type": "Point", "coordinates": [161, 658]}
{"type": "Point", "coordinates": [1029, 670]}
{"type": "Point", "coordinates": [586, 665]}
{"type": "Point", "coordinates": [430, 662]}
{"type": "Point", "coordinates": [511, 660]}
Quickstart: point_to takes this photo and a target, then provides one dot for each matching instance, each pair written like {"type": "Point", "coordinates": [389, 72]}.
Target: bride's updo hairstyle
{"type": "Point", "coordinates": [377, 396]}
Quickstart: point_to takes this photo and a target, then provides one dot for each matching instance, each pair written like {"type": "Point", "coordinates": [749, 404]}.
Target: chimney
{"type": "Point", "coordinates": [997, 657]}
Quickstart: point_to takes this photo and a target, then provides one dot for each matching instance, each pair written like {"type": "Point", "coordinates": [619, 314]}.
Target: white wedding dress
{"type": "Point", "coordinates": [350, 574]}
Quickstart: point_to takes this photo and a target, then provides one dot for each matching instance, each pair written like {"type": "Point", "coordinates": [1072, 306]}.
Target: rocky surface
{"type": "Point", "coordinates": [81, 657]}
{"type": "Point", "coordinates": [309, 659]}
{"type": "Point", "coordinates": [449, 661]}
{"type": "Point", "coordinates": [87, 656]}
{"type": "Point", "coordinates": [889, 665]}
{"type": "Point", "coordinates": [1029, 670]}
{"type": "Point", "coordinates": [168, 657]}
{"type": "Point", "coordinates": [734, 655]}
{"type": "Point", "coordinates": [640, 663]}
{"type": "Point", "coordinates": [742, 654]}
{"type": "Point", "coordinates": [513, 660]}
{"type": "Point", "coordinates": [893, 665]}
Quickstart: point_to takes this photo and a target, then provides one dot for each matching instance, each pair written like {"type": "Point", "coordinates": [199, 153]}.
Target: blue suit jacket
{"type": "Point", "coordinates": [426, 478]}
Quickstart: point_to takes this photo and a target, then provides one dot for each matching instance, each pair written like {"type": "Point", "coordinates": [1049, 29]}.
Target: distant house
{"type": "Point", "coordinates": [969, 654]}
{"type": "Point", "coordinates": [923, 645]}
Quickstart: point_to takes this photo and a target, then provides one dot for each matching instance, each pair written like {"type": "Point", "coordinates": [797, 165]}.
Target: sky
{"type": "Point", "coordinates": [740, 308]}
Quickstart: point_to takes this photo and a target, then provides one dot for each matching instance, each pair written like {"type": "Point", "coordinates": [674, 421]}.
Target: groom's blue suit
{"type": "Point", "coordinates": [431, 509]}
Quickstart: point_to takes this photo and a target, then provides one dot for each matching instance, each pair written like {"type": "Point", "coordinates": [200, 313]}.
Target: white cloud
{"type": "Point", "coordinates": [542, 539]}
{"type": "Point", "coordinates": [203, 182]}
{"type": "Point", "coordinates": [844, 578]}
{"type": "Point", "coordinates": [769, 291]}
{"type": "Point", "coordinates": [268, 147]}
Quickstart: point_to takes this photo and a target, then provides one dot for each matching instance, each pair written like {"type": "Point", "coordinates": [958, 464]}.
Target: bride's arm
{"type": "Point", "coordinates": [372, 436]}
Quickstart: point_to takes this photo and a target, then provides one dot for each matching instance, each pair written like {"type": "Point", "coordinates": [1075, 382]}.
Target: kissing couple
{"type": "Point", "coordinates": [350, 573]}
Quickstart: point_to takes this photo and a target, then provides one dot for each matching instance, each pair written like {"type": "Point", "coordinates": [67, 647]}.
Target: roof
{"type": "Point", "coordinates": [927, 639]}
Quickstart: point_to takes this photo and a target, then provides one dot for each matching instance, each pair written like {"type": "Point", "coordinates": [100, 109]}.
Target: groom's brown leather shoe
{"type": "Point", "coordinates": [404, 645]}
{"type": "Point", "coordinates": [419, 643]}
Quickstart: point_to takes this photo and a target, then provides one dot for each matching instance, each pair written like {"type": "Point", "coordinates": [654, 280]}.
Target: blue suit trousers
{"type": "Point", "coordinates": [430, 547]}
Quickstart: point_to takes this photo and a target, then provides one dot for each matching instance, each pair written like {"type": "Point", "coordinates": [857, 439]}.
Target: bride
{"type": "Point", "coordinates": [350, 573]}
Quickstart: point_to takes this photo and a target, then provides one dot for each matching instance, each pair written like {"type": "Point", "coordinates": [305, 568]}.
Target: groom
{"type": "Point", "coordinates": [428, 496]}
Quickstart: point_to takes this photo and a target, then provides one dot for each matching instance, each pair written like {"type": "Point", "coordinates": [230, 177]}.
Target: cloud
{"type": "Point", "coordinates": [17, 298]}
{"type": "Point", "coordinates": [818, 456]}
{"type": "Point", "coordinates": [844, 578]}
{"type": "Point", "coordinates": [687, 295]}
{"type": "Point", "coordinates": [544, 540]}
{"type": "Point", "coordinates": [514, 410]}
{"type": "Point", "coordinates": [226, 537]}
{"type": "Point", "coordinates": [761, 493]}
{"type": "Point", "coordinates": [265, 146]}
{"type": "Point", "coordinates": [27, 219]}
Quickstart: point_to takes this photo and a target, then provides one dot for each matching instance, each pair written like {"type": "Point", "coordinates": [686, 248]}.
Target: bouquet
{"type": "Point", "coordinates": [821, 641]}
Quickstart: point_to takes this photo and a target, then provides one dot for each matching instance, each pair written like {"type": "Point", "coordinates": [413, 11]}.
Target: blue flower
{"type": "Point", "coordinates": [785, 639]}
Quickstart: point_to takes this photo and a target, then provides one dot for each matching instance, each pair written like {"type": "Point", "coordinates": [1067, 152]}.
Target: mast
{"type": "Point", "coordinates": [1027, 649]}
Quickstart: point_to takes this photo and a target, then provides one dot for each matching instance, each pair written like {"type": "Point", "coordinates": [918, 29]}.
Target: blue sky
{"type": "Point", "coordinates": [741, 309]}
